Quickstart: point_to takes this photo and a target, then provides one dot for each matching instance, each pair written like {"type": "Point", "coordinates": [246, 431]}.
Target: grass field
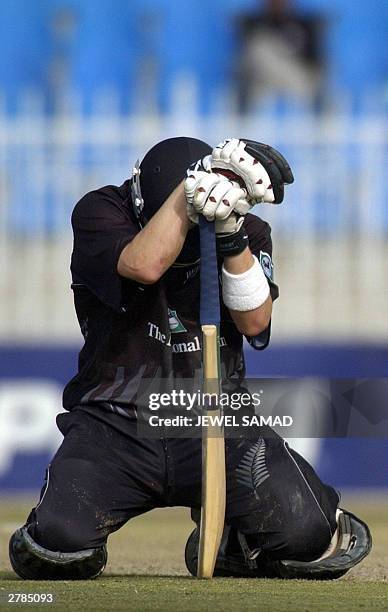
{"type": "Point", "coordinates": [146, 571]}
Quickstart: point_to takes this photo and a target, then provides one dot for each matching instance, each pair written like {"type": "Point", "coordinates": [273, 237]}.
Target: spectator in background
{"type": "Point", "coordinates": [280, 55]}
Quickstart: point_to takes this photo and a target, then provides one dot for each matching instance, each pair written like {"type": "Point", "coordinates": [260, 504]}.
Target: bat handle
{"type": "Point", "coordinates": [210, 296]}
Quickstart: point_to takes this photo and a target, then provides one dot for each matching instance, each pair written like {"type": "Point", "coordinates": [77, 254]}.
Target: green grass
{"type": "Point", "coordinates": [183, 594]}
{"type": "Point", "coordinates": [146, 572]}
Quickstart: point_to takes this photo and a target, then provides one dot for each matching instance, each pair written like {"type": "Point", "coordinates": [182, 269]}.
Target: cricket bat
{"type": "Point", "coordinates": [213, 444]}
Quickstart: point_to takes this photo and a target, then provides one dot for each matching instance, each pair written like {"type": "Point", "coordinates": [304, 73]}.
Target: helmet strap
{"type": "Point", "coordinates": [137, 198]}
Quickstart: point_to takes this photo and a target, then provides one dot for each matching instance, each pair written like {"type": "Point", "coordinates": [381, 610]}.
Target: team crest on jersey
{"type": "Point", "coordinates": [174, 322]}
{"type": "Point", "coordinates": [266, 264]}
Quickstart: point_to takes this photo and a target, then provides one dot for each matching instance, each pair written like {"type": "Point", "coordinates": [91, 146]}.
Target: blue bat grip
{"type": "Point", "coordinates": [210, 296]}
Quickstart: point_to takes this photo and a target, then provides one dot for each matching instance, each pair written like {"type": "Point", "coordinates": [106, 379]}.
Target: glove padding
{"type": "Point", "coordinates": [262, 169]}
{"type": "Point", "coordinates": [216, 197]}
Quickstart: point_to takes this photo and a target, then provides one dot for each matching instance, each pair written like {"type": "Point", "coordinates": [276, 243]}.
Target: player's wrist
{"type": "Point", "coordinates": [239, 264]}
{"type": "Point", "coordinates": [232, 244]}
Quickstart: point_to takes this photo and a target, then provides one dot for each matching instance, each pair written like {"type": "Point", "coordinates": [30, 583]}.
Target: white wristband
{"type": "Point", "coordinates": [245, 291]}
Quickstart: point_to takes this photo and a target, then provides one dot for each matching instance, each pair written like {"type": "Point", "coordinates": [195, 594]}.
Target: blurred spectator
{"type": "Point", "coordinates": [62, 27]}
{"type": "Point", "coordinates": [280, 55]}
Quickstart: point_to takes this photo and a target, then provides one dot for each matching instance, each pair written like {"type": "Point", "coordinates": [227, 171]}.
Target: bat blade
{"type": "Point", "coordinates": [213, 461]}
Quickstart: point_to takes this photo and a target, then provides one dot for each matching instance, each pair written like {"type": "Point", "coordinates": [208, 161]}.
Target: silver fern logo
{"type": "Point", "coordinates": [252, 470]}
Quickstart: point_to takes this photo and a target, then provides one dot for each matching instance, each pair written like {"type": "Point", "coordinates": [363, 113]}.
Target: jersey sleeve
{"type": "Point", "coordinates": [260, 244]}
{"type": "Point", "coordinates": [102, 227]}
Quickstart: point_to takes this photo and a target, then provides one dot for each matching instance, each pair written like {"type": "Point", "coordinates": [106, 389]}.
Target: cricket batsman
{"type": "Point", "coordinates": [135, 276]}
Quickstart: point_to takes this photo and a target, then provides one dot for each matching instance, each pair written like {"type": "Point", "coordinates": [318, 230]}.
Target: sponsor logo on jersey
{"type": "Point", "coordinates": [266, 264]}
{"type": "Point", "coordinates": [176, 325]}
{"type": "Point", "coordinates": [177, 347]}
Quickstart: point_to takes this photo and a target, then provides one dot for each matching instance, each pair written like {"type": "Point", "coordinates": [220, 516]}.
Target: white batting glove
{"type": "Point", "coordinates": [216, 197]}
{"type": "Point", "coordinates": [231, 155]}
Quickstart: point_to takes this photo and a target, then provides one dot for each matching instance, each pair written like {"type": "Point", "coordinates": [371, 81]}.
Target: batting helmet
{"type": "Point", "coordinates": [161, 171]}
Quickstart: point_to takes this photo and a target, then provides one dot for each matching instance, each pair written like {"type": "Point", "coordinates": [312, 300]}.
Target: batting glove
{"type": "Point", "coordinates": [215, 196]}
{"type": "Point", "coordinates": [263, 170]}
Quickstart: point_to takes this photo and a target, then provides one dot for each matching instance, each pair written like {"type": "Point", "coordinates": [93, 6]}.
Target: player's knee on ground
{"type": "Point", "coordinates": [239, 555]}
{"type": "Point", "coordinates": [68, 517]}
{"type": "Point", "coordinates": [33, 562]}
{"type": "Point", "coordinates": [292, 530]}
{"type": "Point", "coordinates": [290, 537]}
{"type": "Point", "coordinates": [56, 533]}
{"type": "Point", "coordinates": [305, 540]}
